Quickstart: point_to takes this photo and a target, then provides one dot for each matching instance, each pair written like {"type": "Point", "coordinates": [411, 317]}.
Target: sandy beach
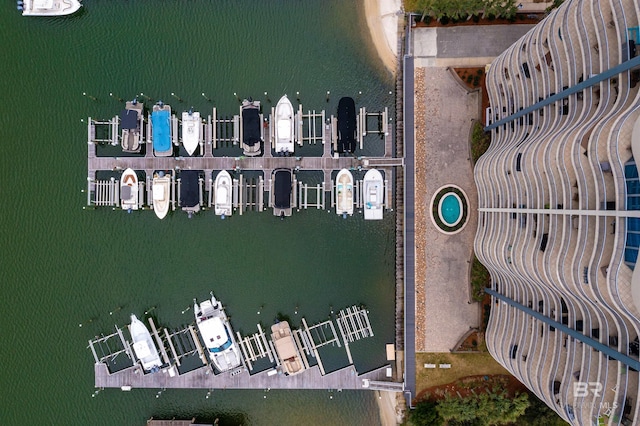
{"type": "Point", "coordinates": [382, 20]}
{"type": "Point", "coordinates": [387, 404]}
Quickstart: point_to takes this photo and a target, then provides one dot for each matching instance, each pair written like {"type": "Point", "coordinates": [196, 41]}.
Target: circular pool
{"type": "Point", "coordinates": [450, 209]}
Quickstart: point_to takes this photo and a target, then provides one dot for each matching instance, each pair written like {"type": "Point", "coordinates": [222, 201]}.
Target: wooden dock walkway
{"type": "Point", "coordinates": [203, 378]}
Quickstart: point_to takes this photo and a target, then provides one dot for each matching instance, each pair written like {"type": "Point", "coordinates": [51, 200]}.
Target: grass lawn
{"type": "Point", "coordinates": [462, 365]}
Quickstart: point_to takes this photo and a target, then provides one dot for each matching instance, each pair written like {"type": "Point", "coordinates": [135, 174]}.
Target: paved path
{"type": "Point", "coordinates": [463, 46]}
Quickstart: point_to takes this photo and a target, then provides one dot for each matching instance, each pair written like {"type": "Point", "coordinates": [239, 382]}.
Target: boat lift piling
{"type": "Point", "coordinates": [163, 352]}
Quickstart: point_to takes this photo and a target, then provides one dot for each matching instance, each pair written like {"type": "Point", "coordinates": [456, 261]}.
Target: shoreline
{"type": "Point", "coordinates": [388, 407]}
{"type": "Point", "coordinates": [383, 34]}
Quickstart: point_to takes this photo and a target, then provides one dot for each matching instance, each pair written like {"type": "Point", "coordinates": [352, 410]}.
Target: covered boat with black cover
{"type": "Point", "coordinates": [131, 125]}
{"type": "Point", "coordinates": [251, 128]}
{"type": "Point", "coordinates": [347, 125]}
{"type": "Point", "coordinates": [190, 191]}
{"type": "Point", "coordinates": [282, 192]}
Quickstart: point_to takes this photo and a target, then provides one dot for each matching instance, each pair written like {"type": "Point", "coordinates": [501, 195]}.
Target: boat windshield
{"type": "Point", "coordinates": [224, 346]}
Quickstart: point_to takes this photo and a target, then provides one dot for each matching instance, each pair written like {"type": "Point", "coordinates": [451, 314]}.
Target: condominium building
{"type": "Point", "coordinates": [559, 211]}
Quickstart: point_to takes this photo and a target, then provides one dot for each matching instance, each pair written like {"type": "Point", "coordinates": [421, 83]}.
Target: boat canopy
{"type": "Point", "coordinates": [125, 192]}
{"type": "Point", "coordinates": [189, 188]}
{"type": "Point", "coordinates": [346, 125]}
{"type": "Point", "coordinates": [129, 119]}
{"type": "Point", "coordinates": [158, 192]}
{"type": "Point", "coordinates": [282, 188]}
{"type": "Point", "coordinates": [42, 4]}
{"type": "Point", "coordinates": [215, 334]}
{"type": "Point", "coordinates": [251, 126]}
{"type": "Point", "coordinates": [161, 126]}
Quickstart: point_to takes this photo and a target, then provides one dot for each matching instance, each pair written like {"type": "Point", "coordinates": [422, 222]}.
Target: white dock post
{"type": "Point", "coordinates": [334, 133]}
{"type": "Point", "coordinates": [200, 188]}
{"type": "Point", "coordinates": [149, 132]}
{"type": "Point", "coordinates": [301, 352]}
{"type": "Point", "coordinates": [269, 183]}
{"type": "Point", "coordinates": [244, 351]}
{"type": "Point", "coordinates": [93, 350]}
{"type": "Point", "coordinates": [385, 121]}
{"type": "Point", "coordinates": [140, 194]}
{"type": "Point", "coordinates": [196, 341]}
{"type": "Point", "coordinates": [272, 129]}
{"type": "Point", "coordinates": [260, 194]}
{"type": "Point", "coordinates": [333, 194]}
{"type": "Point", "coordinates": [179, 190]}
{"type": "Point", "coordinates": [163, 352]}
{"type": "Point", "coordinates": [149, 191]}
{"type": "Point", "coordinates": [301, 196]}
{"type": "Point", "coordinates": [210, 191]}
{"type": "Point", "coordinates": [300, 135]}
{"type": "Point", "coordinates": [323, 126]}
{"type": "Point", "coordinates": [117, 188]}
{"type": "Point", "coordinates": [237, 129]}
{"type": "Point", "coordinates": [173, 350]}
{"type": "Point", "coordinates": [174, 130]}
{"type": "Point", "coordinates": [214, 130]}
{"type": "Point", "coordinates": [386, 194]}
{"type": "Point", "coordinates": [125, 344]}
{"type": "Point", "coordinates": [240, 194]}
{"type": "Point", "coordinates": [324, 194]}
{"type": "Point", "coordinates": [235, 201]}
{"type": "Point", "coordinates": [273, 350]}
{"type": "Point", "coordinates": [319, 190]}
{"type": "Point", "coordinates": [266, 344]}
{"type": "Point", "coordinates": [295, 200]}
{"type": "Point", "coordinates": [112, 190]}
{"type": "Point", "coordinates": [173, 190]}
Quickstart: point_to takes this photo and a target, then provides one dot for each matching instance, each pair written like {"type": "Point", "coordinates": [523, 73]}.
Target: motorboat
{"type": "Point", "coordinates": [131, 125]}
{"type": "Point", "coordinates": [223, 194]}
{"type": "Point", "coordinates": [190, 191]}
{"type": "Point", "coordinates": [161, 125]}
{"type": "Point", "coordinates": [344, 193]}
{"type": "Point", "coordinates": [347, 126]}
{"type": "Point", "coordinates": [251, 128]}
{"type": "Point", "coordinates": [217, 334]}
{"type": "Point", "coordinates": [191, 130]}
{"type": "Point", "coordinates": [373, 195]}
{"type": "Point", "coordinates": [282, 194]}
{"type": "Point", "coordinates": [48, 7]}
{"type": "Point", "coordinates": [286, 348]}
{"type": "Point", "coordinates": [143, 346]}
{"type": "Point", "coordinates": [161, 189]}
{"type": "Point", "coordinates": [284, 127]}
{"type": "Point", "coordinates": [129, 190]}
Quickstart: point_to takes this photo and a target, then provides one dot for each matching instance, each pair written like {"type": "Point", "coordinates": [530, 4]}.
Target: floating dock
{"type": "Point", "coordinates": [115, 366]}
{"type": "Point", "coordinates": [311, 128]}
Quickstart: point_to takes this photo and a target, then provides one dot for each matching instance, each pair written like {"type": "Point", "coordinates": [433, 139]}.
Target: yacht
{"type": "Point", "coordinates": [251, 128]}
{"type": "Point", "coordinates": [217, 334]}
{"type": "Point", "coordinates": [143, 346]}
{"type": "Point", "coordinates": [282, 194]}
{"type": "Point", "coordinates": [190, 191]}
{"type": "Point", "coordinates": [161, 188]}
{"type": "Point", "coordinates": [131, 125]}
{"type": "Point", "coordinates": [373, 195]}
{"type": "Point", "coordinates": [48, 7]}
{"type": "Point", "coordinates": [344, 193]}
{"type": "Point", "coordinates": [284, 127]}
{"type": "Point", "coordinates": [286, 348]}
{"type": "Point", "coordinates": [223, 194]}
{"type": "Point", "coordinates": [347, 125]}
{"type": "Point", "coordinates": [161, 124]}
{"type": "Point", "coordinates": [129, 190]}
{"type": "Point", "coordinates": [191, 130]}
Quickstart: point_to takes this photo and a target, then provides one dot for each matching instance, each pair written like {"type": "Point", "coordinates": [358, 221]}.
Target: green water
{"type": "Point", "coordinates": [63, 266]}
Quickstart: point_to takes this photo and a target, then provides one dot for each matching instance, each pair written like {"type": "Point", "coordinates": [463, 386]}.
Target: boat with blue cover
{"type": "Point", "coordinates": [161, 125]}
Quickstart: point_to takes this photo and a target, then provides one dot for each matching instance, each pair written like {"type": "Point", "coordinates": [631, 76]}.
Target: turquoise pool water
{"type": "Point", "coordinates": [450, 209]}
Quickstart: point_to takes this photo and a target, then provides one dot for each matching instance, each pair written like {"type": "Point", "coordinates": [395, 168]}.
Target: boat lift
{"type": "Point", "coordinates": [256, 346]}
{"type": "Point", "coordinates": [304, 199]}
{"type": "Point", "coordinates": [224, 131]}
{"type": "Point", "coordinates": [102, 132]}
{"type": "Point", "coordinates": [108, 354]}
{"type": "Point", "coordinates": [353, 324]}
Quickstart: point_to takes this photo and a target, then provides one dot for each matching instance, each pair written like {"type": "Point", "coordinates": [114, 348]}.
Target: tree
{"type": "Point", "coordinates": [425, 414]}
{"type": "Point", "coordinates": [539, 414]}
{"type": "Point", "coordinates": [487, 409]}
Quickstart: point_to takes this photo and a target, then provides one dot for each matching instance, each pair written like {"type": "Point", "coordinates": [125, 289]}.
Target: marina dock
{"type": "Point", "coordinates": [311, 128]}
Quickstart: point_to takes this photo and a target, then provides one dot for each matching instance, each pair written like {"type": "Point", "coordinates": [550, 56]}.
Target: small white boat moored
{"type": "Point", "coordinates": [344, 193]}
{"type": "Point", "coordinates": [49, 7]}
{"type": "Point", "coordinates": [217, 334]}
{"type": "Point", "coordinates": [191, 131]}
{"type": "Point", "coordinates": [373, 195]}
{"type": "Point", "coordinates": [223, 194]}
{"type": "Point", "coordinates": [161, 187]}
{"type": "Point", "coordinates": [284, 127]}
{"type": "Point", "coordinates": [129, 190]}
{"type": "Point", "coordinates": [143, 346]}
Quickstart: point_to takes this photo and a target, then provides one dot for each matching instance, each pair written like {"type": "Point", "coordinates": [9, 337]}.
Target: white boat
{"type": "Point", "coordinates": [223, 194]}
{"type": "Point", "coordinates": [284, 127]}
{"type": "Point", "coordinates": [143, 346]}
{"type": "Point", "coordinates": [286, 348]}
{"type": "Point", "coordinates": [344, 193]}
{"type": "Point", "coordinates": [49, 7]}
{"type": "Point", "coordinates": [373, 195]}
{"type": "Point", "coordinates": [129, 190]}
{"type": "Point", "coordinates": [217, 334]}
{"type": "Point", "coordinates": [131, 125]}
{"type": "Point", "coordinates": [191, 131]}
{"type": "Point", "coordinates": [161, 187]}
